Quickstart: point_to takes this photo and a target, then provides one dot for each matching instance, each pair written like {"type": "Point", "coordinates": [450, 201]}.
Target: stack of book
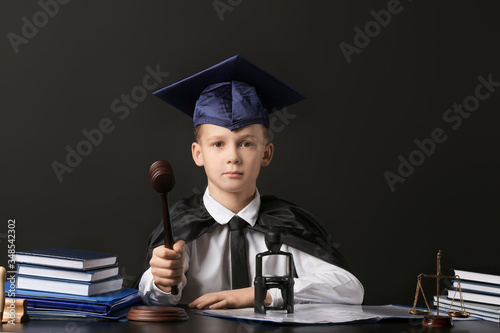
{"type": "Point", "coordinates": [61, 282]}
{"type": "Point", "coordinates": [480, 292]}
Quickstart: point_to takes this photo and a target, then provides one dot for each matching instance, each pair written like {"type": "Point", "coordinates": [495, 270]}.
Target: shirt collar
{"type": "Point", "coordinates": [222, 215]}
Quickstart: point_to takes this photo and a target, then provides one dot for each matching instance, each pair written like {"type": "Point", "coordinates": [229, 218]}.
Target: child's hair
{"type": "Point", "coordinates": [197, 134]}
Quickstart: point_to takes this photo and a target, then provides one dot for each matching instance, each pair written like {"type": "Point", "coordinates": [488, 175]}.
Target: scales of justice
{"type": "Point", "coordinates": [438, 320]}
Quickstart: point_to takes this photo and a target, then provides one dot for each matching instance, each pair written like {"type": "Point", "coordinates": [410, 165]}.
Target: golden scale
{"type": "Point", "coordinates": [438, 320]}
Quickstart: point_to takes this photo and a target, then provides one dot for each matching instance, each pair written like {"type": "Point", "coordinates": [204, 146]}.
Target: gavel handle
{"type": "Point", "coordinates": [167, 232]}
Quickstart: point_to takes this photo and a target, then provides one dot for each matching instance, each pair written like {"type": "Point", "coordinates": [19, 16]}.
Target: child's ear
{"type": "Point", "coordinates": [196, 152]}
{"type": "Point", "coordinates": [268, 154]}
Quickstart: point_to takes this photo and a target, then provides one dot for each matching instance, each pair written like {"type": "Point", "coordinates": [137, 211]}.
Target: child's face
{"type": "Point", "coordinates": [232, 160]}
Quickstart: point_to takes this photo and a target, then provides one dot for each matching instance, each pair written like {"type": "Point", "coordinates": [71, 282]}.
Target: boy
{"type": "Point", "coordinates": [209, 264]}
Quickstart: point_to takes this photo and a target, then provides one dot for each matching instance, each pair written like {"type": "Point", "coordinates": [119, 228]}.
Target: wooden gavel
{"type": "Point", "coordinates": [163, 181]}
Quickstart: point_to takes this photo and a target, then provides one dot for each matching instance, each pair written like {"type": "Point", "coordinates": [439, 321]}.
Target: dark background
{"type": "Point", "coordinates": [330, 158]}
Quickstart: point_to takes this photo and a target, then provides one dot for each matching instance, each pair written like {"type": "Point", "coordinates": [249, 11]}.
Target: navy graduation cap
{"type": "Point", "coordinates": [233, 93]}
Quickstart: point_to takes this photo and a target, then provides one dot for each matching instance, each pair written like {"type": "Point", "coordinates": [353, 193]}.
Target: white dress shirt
{"type": "Point", "coordinates": [207, 266]}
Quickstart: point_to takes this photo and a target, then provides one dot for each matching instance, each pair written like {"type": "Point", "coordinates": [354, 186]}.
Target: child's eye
{"type": "Point", "coordinates": [246, 144]}
{"type": "Point", "coordinates": [217, 144]}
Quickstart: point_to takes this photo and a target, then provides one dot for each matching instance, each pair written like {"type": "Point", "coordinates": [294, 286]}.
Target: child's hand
{"type": "Point", "coordinates": [167, 266]}
{"type": "Point", "coordinates": [238, 298]}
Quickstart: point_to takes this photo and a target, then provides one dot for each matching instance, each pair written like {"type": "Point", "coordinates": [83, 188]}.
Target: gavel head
{"type": "Point", "coordinates": [162, 176]}
{"type": "Point", "coordinates": [274, 239]}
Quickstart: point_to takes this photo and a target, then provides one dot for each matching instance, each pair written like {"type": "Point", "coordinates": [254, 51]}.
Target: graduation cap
{"type": "Point", "coordinates": [232, 94]}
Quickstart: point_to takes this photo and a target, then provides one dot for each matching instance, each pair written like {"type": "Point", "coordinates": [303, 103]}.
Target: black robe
{"type": "Point", "coordinates": [302, 231]}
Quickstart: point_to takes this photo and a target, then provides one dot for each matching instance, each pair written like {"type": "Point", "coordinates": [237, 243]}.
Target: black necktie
{"type": "Point", "coordinates": [239, 260]}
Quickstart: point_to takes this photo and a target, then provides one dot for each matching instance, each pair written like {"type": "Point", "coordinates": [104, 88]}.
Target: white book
{"type": "Point", "coordinates": [68, 286]}
{"type": "Point", "coordinates": [483, 311]}
{"type": "Point", "coordinates": [480, 287]}
{"type": "Point", "coordinates": [66, 274]}
{"type": "Point", "coordinates": [478, 277]}
{"type": "Point", "coordinates": [475, 297]}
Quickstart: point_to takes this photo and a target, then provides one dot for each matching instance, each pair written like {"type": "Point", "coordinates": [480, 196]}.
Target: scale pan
{"type": "Point", "coordinates": [458, 314]}
{"type": "Point", "coordinates": [419, 312]}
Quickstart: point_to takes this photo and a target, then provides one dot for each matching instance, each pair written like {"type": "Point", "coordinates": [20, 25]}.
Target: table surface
{"type": "Point", "coordinates": [206, 324]}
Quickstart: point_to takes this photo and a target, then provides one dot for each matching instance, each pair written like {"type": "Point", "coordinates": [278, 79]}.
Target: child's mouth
{"type": "Point", "coordinates": [233, 174]}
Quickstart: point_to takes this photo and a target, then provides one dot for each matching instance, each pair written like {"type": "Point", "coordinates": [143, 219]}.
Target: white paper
{"type": "Point", "coordinates": [319, 314]}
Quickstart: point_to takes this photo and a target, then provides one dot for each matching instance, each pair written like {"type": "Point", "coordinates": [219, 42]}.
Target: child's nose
{"type": "Point", "coordinates": [233, 156]}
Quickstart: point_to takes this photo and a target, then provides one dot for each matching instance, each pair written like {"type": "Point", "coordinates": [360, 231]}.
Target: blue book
{"type": "Point", "coordinates": [66, 315]}
{"type": "Point", "coordinates": [108, 298]}
{"type": "Point", "coordinates": [68, 274]}
{"type": "Point", "coordinates": [69, 286]}
{"type": "Point", "coordinates": [66, 258]}
{"type": "Point", "coordinates": [101, 304]}
{"type": "Point", "coordinates": [75, 306]}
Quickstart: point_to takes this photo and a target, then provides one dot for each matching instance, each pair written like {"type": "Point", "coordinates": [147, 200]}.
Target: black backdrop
{"type": "Point", "coordinates": [374, 85]}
